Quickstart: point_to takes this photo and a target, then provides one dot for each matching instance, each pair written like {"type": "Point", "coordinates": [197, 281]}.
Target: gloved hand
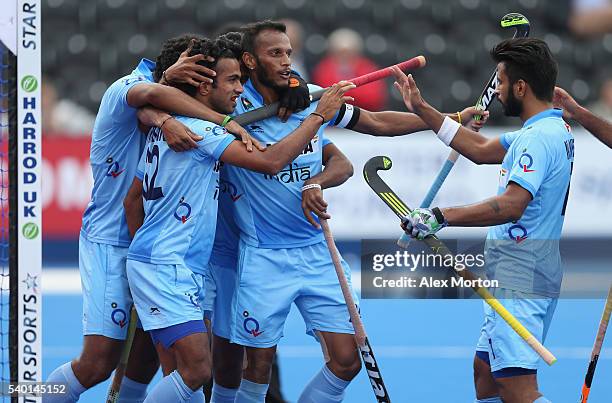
{"type": "Point", "coordinates": [422, 222]}
{"type": "Point", "coordinates": [295, 98]}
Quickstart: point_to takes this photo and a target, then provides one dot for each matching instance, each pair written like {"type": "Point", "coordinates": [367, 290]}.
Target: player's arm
{"type": "Point", "coordinates": [176, 101]}
{"type": "Point", "coordinates": [599, 127]}
{"type": "Point", "coordinates": [471, 144]}
{"type": "Point", "coordinates": [178, 136]}
{"type": "Point", "coordinates": [133, 205]}
{"type": "Point", "coordinates": [509, 206]}
{"type": "Point", "coordinates": [280, 154]}
{"type": "Point", "coordinates": [391, 124]}
{"type": "Point", "coordinates": [338, 169]}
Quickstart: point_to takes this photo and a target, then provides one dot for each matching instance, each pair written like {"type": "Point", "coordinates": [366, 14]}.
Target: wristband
{"type": "Point", "coordinates": [165, 120]}
{"type": "Point", "coordinates": [311, 186]}
{"type": "Point", "coordinates": [227, 119]}
{"type": "Point", "coordinates": [439, 216]}
{"type": "Point", "coordinates": [319, 115]}
{"type": "Point", "coordinates": [448, 130]}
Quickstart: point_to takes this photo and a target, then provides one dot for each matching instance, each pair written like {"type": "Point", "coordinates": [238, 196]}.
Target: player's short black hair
{"type": "Point", "coordinates": [528, 59]}
{"type": "Point", "coordinates": [170, 52]}
{"type": "Point", "coordinates": [250, 32]}
{"type": "Point", "coordinates": [220, 48]}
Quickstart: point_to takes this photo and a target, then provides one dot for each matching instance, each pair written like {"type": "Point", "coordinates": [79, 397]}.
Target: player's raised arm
{"type": "Point", "coordinates": [286, 150]}
{"type": "Point", "coordinates": [471, 144]}
{"type": "Point", "coordinates": [599, 127]}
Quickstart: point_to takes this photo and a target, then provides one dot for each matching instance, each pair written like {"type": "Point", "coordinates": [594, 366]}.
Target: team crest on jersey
{"type": "Point", "coordinates": [114, 169]}
{"type": "Point", "coordinates": [517, 233]}
{"type": "Point", "coordinates": [251, 325]}
{"type": "Point", "coordinates": [183, 211]}
{"type": "Point", "coordinates": [246, 103]}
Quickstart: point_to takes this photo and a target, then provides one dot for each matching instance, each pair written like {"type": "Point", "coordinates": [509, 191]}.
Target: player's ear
{"type": "Point", "coordinates": [520, 88]}
{"type": "Point", "coordinates": [249, 61]}
{"type": "Point", "coordinates": [204, 88]}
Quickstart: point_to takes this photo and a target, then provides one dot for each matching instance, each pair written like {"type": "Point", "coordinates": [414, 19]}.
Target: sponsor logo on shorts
{"type": "Point", "coordinates": [154, 311]}
{"type": "Point", "coordinates": [114, 169]}
{"type": "Point", "coordinates": [118, 315]}
{"type": "Point", "coordinates": [526, 161]}
{"type": "Point", "coordinates": [183, 211]}
{"type": "Point", "coordinates": [251, 325]}
{"type": "Point", "coordinates": [517, 233]}
{"type": "Point", "coordinates": [194, 299]}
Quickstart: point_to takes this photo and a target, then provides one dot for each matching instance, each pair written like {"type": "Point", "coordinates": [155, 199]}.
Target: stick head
{"type": "Point", "coordinates": [370, 173]}
{"type": "Point", "coordinates": [519, 22]}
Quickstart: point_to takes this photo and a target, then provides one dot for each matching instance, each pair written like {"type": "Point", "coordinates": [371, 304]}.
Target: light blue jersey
{"type": "Point", "coordinates": [225, 248]}
{"type": "Point", "coordinates": [179, 191]}
{"type": "Point", "coordinates": [116, 146]}
{"type": "Point", "coordinates": [524, 255]}
{"type": "Point", "coordinates": [268, 209]}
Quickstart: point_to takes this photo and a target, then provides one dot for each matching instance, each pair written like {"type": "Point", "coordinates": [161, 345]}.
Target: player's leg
{"type": "Point", "coordinates": [323, 307]}
{"type": "Point", "coordinates": [266, 289]}
{"type": "Point", "coordinates": [513, 363]}
{"type": "Point", "coordinates": [142, 366]}
{"type": "Point", "coordinates": [166, 298]}
{"type": "Point", "coordinates": [227, 357]}
{"type": "Point", "coordinates": [256, 376]}
{"type": "Point", "coordinates": [228, 360]}
{"type": "Point", "coordinates": [486, 388]}
{"type": "Point", "coordinates": [106, 303]}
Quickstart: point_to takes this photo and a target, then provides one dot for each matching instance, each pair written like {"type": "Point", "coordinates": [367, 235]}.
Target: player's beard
{"type": "Point", "coordinates": [263, 78]}
{"type": "Point", "coordinates": [513, 107]}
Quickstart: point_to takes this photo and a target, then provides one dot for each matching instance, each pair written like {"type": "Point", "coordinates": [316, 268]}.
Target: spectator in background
{"type": "Point", "coordinates": [63, 116]}
{"type": "Point", "coordinates": [603, 106]}
{"type": "Point", "coordinates": [344, 61]}
{"type": "Point", "coordinates": [295, 32]}
{"type": "Point", "coordinates": [591, 17]}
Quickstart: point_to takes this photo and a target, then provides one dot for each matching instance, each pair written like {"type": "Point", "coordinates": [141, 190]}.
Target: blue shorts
{"type": "Point", "coordinates": [165, 294]}
{"type": "Point", "coordinates": [505, 347]}
{"type": "Point", "coordinates": [271, 279]}
{"type": "Point", "coordinates": [106, 294]}
{"type": "Point", "coordinates": [222, 284]}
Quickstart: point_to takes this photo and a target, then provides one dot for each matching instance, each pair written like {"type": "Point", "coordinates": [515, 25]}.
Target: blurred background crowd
{"type": "Point", "coordinates": [87, 44]}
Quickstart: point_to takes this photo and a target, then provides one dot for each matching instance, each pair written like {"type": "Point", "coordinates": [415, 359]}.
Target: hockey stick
{"type": "Point", "coordinates": [113, 392]}
{"type": "Point", "coordinates": [521, 26]}
{"type": "Point", "coordinates": [367, 354]}
{"type": "Point", "coordinates": [370, 173]}
{"type": "Point", "coordinates": [601, 333]}
{"type": "Point", "coordinates": [271, 110]}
